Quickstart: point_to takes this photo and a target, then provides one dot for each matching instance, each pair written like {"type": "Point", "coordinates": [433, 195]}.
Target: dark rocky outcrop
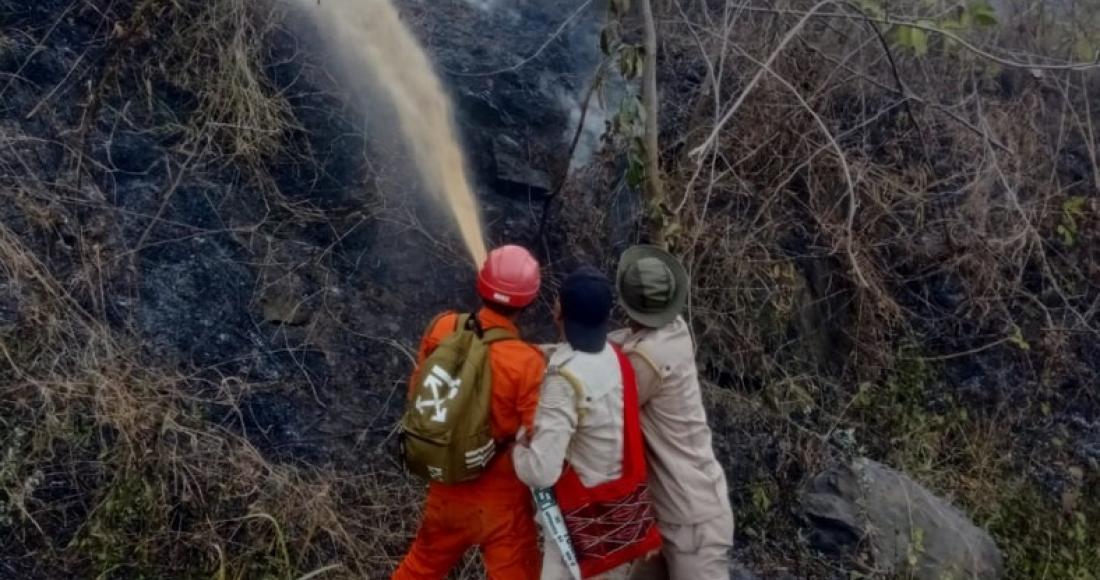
{"type": "Point", "coordinates": [904, 527]}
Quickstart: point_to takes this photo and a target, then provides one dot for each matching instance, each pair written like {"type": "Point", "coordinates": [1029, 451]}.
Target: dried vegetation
{"type": "Point", "coordinates": [115, 463]}
{"type": "Point", "coordinates": [892, 231]}
{"type": "Point", "coordinates": [894, 247]}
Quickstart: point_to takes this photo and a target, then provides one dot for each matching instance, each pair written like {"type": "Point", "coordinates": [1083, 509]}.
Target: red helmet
{"type": "Point", "coordinates": [510, 277]}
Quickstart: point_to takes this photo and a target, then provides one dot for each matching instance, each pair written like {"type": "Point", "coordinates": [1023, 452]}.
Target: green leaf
{"type": "Point", "coordinates": [1074, 207]}
{"type": "Point", "coordinates": [760, 498]}
{"type": "Point", "coordinates": [902, 36]}
{"type": "Point", "coordinates": [966, 20]}
{"type": "Point", "coordinates": [606, 40]}
{"type": "Point", "coordinates": [1084, 50]}
{"type": "Point", "coordinates": [872, 8]}
{"type": "Point", "coordinates": [628, 62]}
{"type": "Point", "coordinates": [1017, 338]}
{"type": "Point", "coordinates": [635, 173]}
{"type": "Point", "coordinates": [983, 13]}
{"type": "Point", "coordinates": [919, 38]}
{"type": "Point", "coordinates": [1068, 239]}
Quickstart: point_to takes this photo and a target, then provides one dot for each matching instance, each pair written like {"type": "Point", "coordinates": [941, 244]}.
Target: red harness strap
{"type": "Point", "coordinates": [613, 523]}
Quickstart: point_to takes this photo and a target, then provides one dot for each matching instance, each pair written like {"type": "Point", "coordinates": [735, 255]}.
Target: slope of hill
{"type": "Point", "coordinates": [209, 286]}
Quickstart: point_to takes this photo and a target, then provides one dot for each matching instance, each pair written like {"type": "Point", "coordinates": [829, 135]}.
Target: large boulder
{"type": "Point", "coordinates": [905, 528]}
{"type": "Point", "coordinates": [517, 176]}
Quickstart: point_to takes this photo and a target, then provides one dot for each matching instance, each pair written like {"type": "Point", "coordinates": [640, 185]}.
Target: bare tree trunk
{"type": "Point", "coordinates": [654, 187]}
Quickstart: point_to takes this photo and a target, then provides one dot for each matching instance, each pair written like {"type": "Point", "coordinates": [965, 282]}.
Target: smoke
{"type": "Point", "coordinates": [486, 5]}
{"type": "Point", "coordinates": [595, 123]}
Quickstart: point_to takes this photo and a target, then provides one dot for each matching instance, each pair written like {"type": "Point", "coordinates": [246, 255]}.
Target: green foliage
{"type": "Point", "coordinates": [916, 38]}
{"type": "Point", "coordinates": [981, 13]}
{"type": "Point", "coordinates": [897, 411]}
{"type": "Point", "coordinates": [1017, 338]}
{"type": "Point", "coordinates": [112, 536]}
{"type": "Point", "coordinates": [1086, 47]}
{"type": "Point", "coordinates": [873, 8]}
{"type": "Point", "coordinates": [937, 442]}
{"type": "Point", "coordinates": [626, 129]}
{"type": "Point", "coordinates": [1073, 212]}
{"type": "Point", "coordinates": [16, 484]}
{"type": "Point", "coordinates": [755, 517]}
{"type": "Point", "coordinates": [1041, 539]}
{"type": "Point", "coordinates": [631, 61]}
{"type": "Point", "coordinates": [912, 38]}
{"type": "Point", "coordinates": [915, 548]}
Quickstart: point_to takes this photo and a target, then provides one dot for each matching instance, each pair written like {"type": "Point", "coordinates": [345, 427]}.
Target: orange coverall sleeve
{"type": "Point", "coordinates": [527, 400]}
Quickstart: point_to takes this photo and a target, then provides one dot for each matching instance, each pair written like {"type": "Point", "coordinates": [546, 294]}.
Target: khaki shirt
{"type": "Point", "coordinates": [686, 480]}
{"type": "Point", "coordinates": [583, 427]}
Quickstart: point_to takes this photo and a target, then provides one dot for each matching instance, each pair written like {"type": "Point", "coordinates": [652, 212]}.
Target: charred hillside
{"type": "Point", "coordinates": [212, 276]}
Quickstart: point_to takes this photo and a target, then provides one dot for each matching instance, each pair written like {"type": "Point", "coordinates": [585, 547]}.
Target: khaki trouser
{"type": "Point", "coordinates": [554, 568]}
{"type": "Point", "coordinates": [691, 552]}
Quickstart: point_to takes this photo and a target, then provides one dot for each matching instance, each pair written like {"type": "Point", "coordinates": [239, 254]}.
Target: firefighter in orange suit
{"type": "Point", "coordinates": [494, 511]}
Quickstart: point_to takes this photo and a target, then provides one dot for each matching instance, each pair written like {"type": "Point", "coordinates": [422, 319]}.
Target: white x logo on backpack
{"type": "Point", "coordinates": [436, 380]}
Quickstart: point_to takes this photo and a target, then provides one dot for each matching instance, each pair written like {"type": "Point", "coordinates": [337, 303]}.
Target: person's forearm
{"type": "Point", "coordinates": [539, 460]}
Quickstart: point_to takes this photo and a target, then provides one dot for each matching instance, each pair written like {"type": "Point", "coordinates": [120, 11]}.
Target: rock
{"type": "Point", "coordinates": [908, 530]}
{"type": "Point", "coordinates": [517, 177]}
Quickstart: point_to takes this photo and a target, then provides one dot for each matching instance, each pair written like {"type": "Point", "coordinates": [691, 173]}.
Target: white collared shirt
{"type": "Point", "coordinates": [584, 429]}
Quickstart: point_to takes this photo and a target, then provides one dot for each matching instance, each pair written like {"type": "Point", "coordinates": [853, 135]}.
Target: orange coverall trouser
{"type": "Point", "coordinates": [503, 527]}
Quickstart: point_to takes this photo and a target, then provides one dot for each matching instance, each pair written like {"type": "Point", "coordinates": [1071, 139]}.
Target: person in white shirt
{"type": "Point", "coordinates": [587, 441]}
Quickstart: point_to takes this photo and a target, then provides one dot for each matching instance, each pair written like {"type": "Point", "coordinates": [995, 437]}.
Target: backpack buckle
{"type": "Point", "coordinates": [472, 323]}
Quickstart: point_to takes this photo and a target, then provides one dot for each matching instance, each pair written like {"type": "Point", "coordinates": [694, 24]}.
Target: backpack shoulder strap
{"type": "Point", "coordinates": [497, 334]}
{"type": "Point", "coordinates": [460, 321]}
{"type": "Point", "coordinates": [491, 334]}
{"type": "Point", "coordinates": [648, 360]}
{"type": "Point", "coordinates": [634, 465]}
{"type": "Point", "coordinates": [574, 382]}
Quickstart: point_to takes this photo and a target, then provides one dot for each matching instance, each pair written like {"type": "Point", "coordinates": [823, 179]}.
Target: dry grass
{"type": "Point", "coordinates": [117, 465]}
{"type": "Point", "coordinates": [215, 52]}
{"type": "Point", "coordinates": [967, 241]}
{"type": "Point", "coordinates": [162, 490]}
{"type": "Point", "coordinates": [865, 225]}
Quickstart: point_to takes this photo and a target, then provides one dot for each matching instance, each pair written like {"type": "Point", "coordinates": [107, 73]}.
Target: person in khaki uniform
{"type": "Point", "coordinates": [586, 436]}
{"type": "Point", "coordinates": [686, 480]}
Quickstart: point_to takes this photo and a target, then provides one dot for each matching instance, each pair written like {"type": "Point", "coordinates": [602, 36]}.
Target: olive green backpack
{"type": "Point", "coordinates": [446, 432]}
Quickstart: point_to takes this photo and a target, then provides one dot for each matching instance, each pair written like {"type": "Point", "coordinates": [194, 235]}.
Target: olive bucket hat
{"type": "Point", "coordinates": [652, 284]}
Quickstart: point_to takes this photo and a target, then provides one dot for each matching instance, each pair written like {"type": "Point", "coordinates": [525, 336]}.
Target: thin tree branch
{"type": "Point", "coordinates": [764, 68]}
{"type": "Point", "coordinates": [538, 52]}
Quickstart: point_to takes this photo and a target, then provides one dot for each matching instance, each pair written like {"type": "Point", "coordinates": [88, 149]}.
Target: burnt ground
{"type": "Point", "coordinates": [311, 290]}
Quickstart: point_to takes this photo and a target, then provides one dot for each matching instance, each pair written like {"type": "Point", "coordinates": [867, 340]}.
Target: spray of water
{"type": "Point", "coordinates": [369, 37]}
